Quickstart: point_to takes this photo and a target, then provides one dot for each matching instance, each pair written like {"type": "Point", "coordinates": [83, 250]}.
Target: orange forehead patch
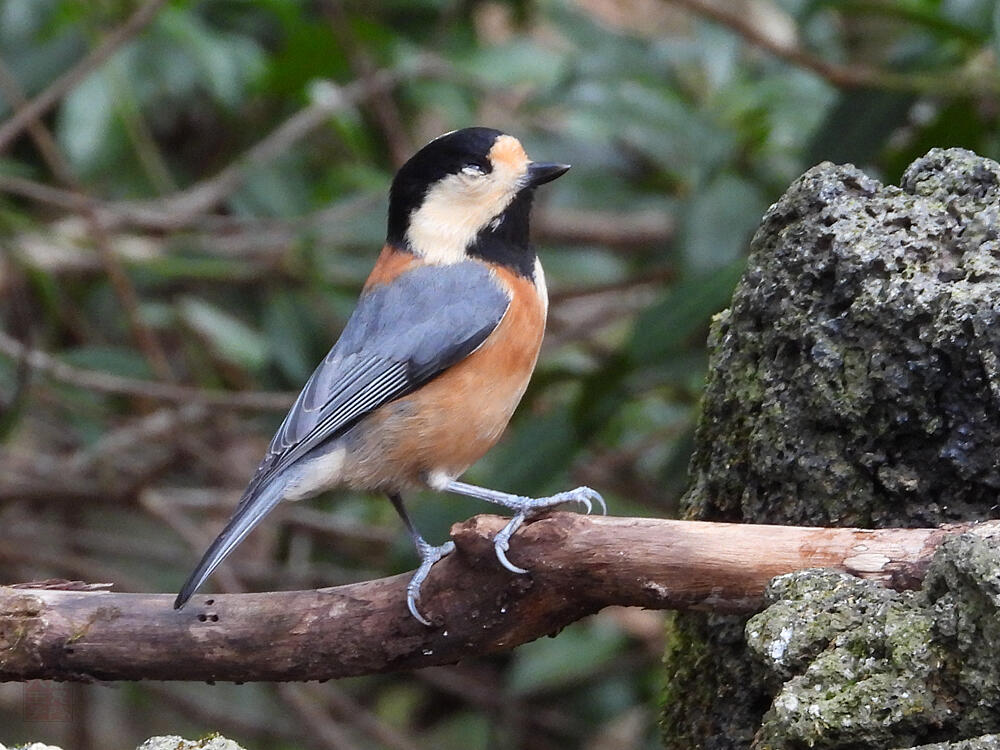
{"type": "Point", "coordinates": [508, 153]}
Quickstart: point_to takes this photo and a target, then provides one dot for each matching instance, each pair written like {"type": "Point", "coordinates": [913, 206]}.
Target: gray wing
{"type": "Point", "coordinates": [401, 335]}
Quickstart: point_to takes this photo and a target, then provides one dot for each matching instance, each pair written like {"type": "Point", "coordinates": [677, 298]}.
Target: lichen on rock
{"type": "Point", "coordinates": [172, 742]}
{"type": "Point", "coordinates": [986, 742]}
{"type": "Point", "coordinates": [857, 659]}
{"type": "Point", "coordinates": [864, 666]}
{"type": "Point", "coordinates": [854, 380]}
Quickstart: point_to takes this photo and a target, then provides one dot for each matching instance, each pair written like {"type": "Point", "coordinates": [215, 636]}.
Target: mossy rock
{"type": "Point", "coordinates": [855, 381]}
{"type": "Point", "coordinates": [866, 667]}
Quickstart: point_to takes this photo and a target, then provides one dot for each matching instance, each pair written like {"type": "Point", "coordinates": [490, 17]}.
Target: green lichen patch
{"type": "Point", "coordinates": [865, 667]}
{"type": "Point", "coordinates": [962, 588]}
{"type": "Point", "coordinates": [857, 660]}
{"type": "Point", "coordinates": [986, 742]}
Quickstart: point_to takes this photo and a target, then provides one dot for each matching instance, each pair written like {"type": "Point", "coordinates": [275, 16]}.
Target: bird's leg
{"type": "Point", "coordinates": [428, 556]}
{"type": "Point", "coordinates": [524, 508]}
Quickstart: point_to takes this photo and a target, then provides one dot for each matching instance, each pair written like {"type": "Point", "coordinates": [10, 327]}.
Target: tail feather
{"type": "Point", "coordinates": [250, 511]}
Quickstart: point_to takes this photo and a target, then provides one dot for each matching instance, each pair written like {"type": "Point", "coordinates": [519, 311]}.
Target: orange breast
{"type": "Point", "coordinates": [449, 423]}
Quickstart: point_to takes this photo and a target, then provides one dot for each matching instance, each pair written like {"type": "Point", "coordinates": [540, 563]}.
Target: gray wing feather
{"type": "Point", "coordinates": [400, 336]}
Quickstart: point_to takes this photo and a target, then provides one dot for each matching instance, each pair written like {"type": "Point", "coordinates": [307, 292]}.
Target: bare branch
{"type": "Point", "coordinates": [179, 210]}
{"type": "Point", "coordinates": [42, 103]}
{"type": "Point", "coordinates": [145, 337]}
{"type": "Point", "coordinates": [842, 76]}
{"type": "Point", "coordinates": [104, 382]}
{"type": "Point", "coordinates": [578, 565]}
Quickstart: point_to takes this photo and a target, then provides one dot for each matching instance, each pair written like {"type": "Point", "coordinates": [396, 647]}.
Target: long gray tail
{"type": "Point", "coordinates": [250, 511]}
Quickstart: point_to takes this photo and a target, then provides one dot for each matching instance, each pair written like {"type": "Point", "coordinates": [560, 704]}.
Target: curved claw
{"type": "Point", "coordinates": [411, 603]}
{"type": "Point", "coordinates": [501, 543]}
{"type": "Point", "coordinates": [585, 496]}
{"type": "Point", "coordinates": [596, 497]}
{"type": "Point", "coordinates": [428, 556]}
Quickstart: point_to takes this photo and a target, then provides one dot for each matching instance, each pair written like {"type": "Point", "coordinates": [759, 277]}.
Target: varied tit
{"type": "Point", "coordinates": [435, 357]}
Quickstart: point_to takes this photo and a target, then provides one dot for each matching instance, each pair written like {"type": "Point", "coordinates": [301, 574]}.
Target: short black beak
{"type": "Point", "coordinates": [540, 172]}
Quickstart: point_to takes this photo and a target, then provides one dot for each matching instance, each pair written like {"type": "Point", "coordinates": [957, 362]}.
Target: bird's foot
{"type": "Point", "coordinates": [429, 555]}
{"type": "Point", "coordinates": [527, 507]}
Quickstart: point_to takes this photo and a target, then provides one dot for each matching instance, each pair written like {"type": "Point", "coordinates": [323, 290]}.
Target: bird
{"type": "Point", "coordinates": [431, 364]}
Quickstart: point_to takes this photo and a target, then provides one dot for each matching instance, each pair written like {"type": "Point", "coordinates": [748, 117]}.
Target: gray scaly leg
{"type": "Point", "coordinates": [428, 553]}
{"type": "Point", "coordinates": [524, 508]}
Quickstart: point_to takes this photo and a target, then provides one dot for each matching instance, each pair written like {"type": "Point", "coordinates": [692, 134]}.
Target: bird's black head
{"type": "Point", "coordinates": [468, 193]}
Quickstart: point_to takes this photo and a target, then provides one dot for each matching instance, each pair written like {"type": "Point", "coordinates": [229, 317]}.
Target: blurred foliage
{"type": "Point", "coordinates": [682, 126]}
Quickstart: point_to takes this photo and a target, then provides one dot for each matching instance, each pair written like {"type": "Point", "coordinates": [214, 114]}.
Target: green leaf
{"type": "Point", "coordinates": [719, 222]}
{"type": "Point", "coordinates": [229, 337]}
{"type": "Point", "coordinates": [555, 662]}
{"type": "Point", "coordinates": [466, 729]}
{"type": "Point", "coordinates": [847, 137]}
{"type": "Point", "coordinates": [288, 335]}
{"type": "Point", "coordinates": [85, 121]}
{"type": "Point", "coordinates": [226, 63]}
{"type": "Point", "coordinates": [686, 310]}
{"type": "Point", "coordinates": [996, 31]}
{"type": "Point", "coordinates": [110, 359]}
{"type": "Point", "coordinates": [536, 454]}
{"type": "Point", "coordinates": [517, 63]}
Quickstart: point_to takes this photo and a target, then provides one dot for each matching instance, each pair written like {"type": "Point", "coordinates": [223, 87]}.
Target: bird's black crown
{"type": "Point", "coordinates": [445, 155]}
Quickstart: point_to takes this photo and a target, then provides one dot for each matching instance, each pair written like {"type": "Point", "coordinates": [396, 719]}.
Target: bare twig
{"type": "Point", "coordinates": [103, 382]}
{"type": "Point", "coordinates": [195, 537]}
{"type": "Point", "coordinates": [622, 230]}
{"type": "Point", "coordinates": [382, 106]}
{"type": "Point", "coordinates": [148, 342]}
{"type": "Point", "coordinates": [42, 103]}
{"type": "Point", "coordinates": [302, 701]}
{"type": "Point", "coordinates": [350, 711]}
{"type": "Point", "coordinates": [842, 76]}
{"type": "Point", "coordinates": [181, 209]}
{"type": "Point", "coordinates": [578, 564]}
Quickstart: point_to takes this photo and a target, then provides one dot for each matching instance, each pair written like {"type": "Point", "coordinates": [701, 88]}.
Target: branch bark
{"type": "Point", "coordinates": [578, 565]}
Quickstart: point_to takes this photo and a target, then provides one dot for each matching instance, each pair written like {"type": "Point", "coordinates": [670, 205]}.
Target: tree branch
{"type": "Point", "coordinates": [42, 103]}
{"type": "Point", "coordinates": [982, 83]}
{"type": "Point", "coordinates": [106, 382]}
{"type": "Point", "coordinates": [578, 565]}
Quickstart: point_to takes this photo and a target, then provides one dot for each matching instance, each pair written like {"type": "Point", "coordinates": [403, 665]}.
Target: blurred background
{"type": "Point", "coordinates": [192, 192]}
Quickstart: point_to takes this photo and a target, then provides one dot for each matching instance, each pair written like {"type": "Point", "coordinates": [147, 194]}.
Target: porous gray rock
{"type": "Point", "coordinates": [164, 742]}
{"type": "Point", "coordinates": [986, 742]}
{"type": "Point", "coordinates": [855, 380]}
{"type": "Point", "coordinates": [172, 742]}
{"type": "Point", "coordinates": [863, 666]}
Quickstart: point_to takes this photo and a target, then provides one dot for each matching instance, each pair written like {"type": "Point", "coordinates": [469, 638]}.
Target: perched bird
{"type": "Point", "coordinates": [435, 357]}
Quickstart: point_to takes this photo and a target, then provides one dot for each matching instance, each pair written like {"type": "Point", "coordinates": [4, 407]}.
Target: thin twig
{"type": "Point", "coordinates": [144, 336]}
{"type": "Point", "coordinates": [350, 711]}
{"type": "Point", "coordinates": [42, 103]}
{"type": "Point", "coordinates": [384, 110]}
{"type": "Point", "coordinates": [301, 700]}
{"type": "Point", "coordinates": [842, 76]}
{"type": "Point", "coordinates": [104, 382]}
{"type": "Point", "coordinates": [181, 209]}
